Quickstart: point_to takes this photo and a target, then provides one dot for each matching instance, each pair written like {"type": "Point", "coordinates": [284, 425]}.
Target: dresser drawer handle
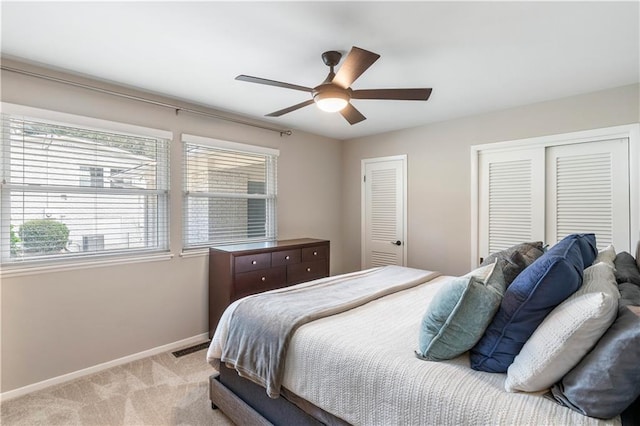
{"type": "Point", "coordinates": [308, 269]}
{"type": "Point", "coordinates": [253, 262]}
{"type": "Point", "coordinates": [315, 253]}
{"type": "Point", "coordinates": [287, 257]}
{"type": "Point", "coordinates": [263, 278]}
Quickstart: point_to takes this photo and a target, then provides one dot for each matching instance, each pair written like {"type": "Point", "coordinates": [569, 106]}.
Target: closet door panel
{"type": "Point", "coordinates": [588, 191]}
{"type": "Point", "coordinates": [511, 199]}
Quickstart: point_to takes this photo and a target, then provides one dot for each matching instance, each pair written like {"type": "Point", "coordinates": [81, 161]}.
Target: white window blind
{"type": "Point", "coordinates": [69, 192]}
{"type": "Point", "coordinates": [229, 194]}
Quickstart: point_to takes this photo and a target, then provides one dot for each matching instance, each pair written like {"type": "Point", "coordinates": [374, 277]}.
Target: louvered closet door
{"type": "Point", "coordinates": [383, 212]}
{"type": "Point", "coordinates": [511, 199]}
{"type": "Point", "coordinates": [588, 191]}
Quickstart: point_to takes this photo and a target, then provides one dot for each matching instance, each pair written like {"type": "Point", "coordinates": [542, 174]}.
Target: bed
{"type": "Point", "coordinates": [359, 367]}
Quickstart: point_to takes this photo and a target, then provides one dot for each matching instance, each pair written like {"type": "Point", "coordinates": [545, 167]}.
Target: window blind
{"type": "Point", "coordinates": [68, 191]}
{"type": "Point", "coordinates": [229, 195]}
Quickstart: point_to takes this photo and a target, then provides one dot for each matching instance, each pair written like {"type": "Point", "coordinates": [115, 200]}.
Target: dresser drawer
{"type": "Point", "coordinates": [248, 283]}
{"type": "Point", "coordinates": [285, 257]}
{"type": "Point", "coordinates": [306, 271]}
{"type": "Point", "coordinates": [252, 262]}
{"type": "Point", "coordinates": [310, 254]}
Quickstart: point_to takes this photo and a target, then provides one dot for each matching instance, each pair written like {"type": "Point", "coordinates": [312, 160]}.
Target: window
{"type": "Point", "coordinates": [69, 191]}
{"type": "Point", "coordinates": [92, 176]}
{"type": "Point", "coordinates": [229, 192]}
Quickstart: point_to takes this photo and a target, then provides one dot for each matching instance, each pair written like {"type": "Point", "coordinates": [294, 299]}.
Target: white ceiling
{"type": "Point", "coordinates": [477, 56]}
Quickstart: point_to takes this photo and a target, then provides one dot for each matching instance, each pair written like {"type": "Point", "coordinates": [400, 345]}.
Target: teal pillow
{"type": "Point", "coordinates": [459, 314]}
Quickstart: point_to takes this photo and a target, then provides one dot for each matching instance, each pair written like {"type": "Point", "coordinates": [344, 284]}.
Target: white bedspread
{"type": "Point", "coordinates": [360, 365]}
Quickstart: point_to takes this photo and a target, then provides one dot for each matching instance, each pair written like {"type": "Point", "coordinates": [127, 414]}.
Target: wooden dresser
{"type": "Point", "coordinates": [239, 270]}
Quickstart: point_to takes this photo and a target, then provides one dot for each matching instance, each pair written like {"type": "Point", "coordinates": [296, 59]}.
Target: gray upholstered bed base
{"type": "Point", "coordinates": [247, 403]}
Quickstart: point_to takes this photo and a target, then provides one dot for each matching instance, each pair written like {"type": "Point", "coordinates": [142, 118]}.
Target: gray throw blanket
{"type": "Point", "coordinates": [262, 325]}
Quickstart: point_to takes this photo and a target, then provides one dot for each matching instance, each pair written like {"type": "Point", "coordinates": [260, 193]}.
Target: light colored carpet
{"type": "Point", "coordinates": [159, 390]}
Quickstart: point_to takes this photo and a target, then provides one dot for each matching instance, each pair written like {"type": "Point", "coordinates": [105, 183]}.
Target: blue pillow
{"type": "Point", "coordinates": [534, 293]}
{"type": "Point", "coordinates": [588, 248]}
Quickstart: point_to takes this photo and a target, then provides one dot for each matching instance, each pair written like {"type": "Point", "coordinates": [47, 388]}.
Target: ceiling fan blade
{"type": "Point", "coordinates": [352, 115]}
{"type": "Point", "coordinates": [259, 80]}
{"type": "Point", "coordinates": [291, 108]}
{"type": "Point", "coordinates": [357, 61]}
{"type": "Point", "coordinates": [396, 94]}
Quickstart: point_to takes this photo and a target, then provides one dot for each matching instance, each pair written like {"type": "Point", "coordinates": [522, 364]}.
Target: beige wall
{"type": "Point", "coordinates": [60, 322]}
{"type": "Point", "coordinates": [439, 189]}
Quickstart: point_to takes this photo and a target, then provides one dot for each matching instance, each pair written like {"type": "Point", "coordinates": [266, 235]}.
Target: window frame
{"type": "Point", "coordinates": [271, 191]}
{"type": "Point", "coordinates": [34, 264]}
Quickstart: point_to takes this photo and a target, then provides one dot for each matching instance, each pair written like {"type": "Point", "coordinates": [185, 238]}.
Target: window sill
{"type": "Point", "coordinates": [33, 269]}
{"type": "Point", "coordinates": [194, 253]}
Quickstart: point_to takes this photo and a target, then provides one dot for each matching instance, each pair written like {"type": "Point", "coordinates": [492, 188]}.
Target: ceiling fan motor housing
{"type": "Point", "coordinates": [331, 58]}
{"type": "Point", "coordinates": [330, 90]}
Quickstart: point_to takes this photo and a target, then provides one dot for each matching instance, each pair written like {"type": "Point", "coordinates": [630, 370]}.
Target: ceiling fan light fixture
{"type": "Point", "coordinates": [331, 101]}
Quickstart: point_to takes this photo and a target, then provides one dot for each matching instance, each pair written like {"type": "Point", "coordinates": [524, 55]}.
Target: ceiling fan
{"type": "Point", "coordinates": [334, 93]}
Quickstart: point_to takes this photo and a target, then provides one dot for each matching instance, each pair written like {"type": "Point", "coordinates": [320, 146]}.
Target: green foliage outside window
{"type": "Point", "coordinates": [44, 236]}
{"type": "Point", "coordinates": [14, 240]}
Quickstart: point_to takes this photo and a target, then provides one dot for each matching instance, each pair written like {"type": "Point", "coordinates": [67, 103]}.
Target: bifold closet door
{"type": "Point", "coordinates": [546, 193]}
{"type": "Point", "coordinates": [511, 199]}
{"type": "Point", "coordinates": [588, 191]}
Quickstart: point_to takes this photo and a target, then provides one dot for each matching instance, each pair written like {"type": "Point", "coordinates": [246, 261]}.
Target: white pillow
{"type": "Point", "coordinates": [567, 334]}
{"type": "Point", "coordinates": [608, 256]}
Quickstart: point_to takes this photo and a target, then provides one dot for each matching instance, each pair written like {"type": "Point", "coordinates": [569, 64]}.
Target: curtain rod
{"type": "Point", "coordinates": [145, 100]}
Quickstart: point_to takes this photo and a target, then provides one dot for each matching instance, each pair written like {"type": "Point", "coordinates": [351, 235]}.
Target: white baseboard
{"type": "Point", "coordinates": [105, 365]}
